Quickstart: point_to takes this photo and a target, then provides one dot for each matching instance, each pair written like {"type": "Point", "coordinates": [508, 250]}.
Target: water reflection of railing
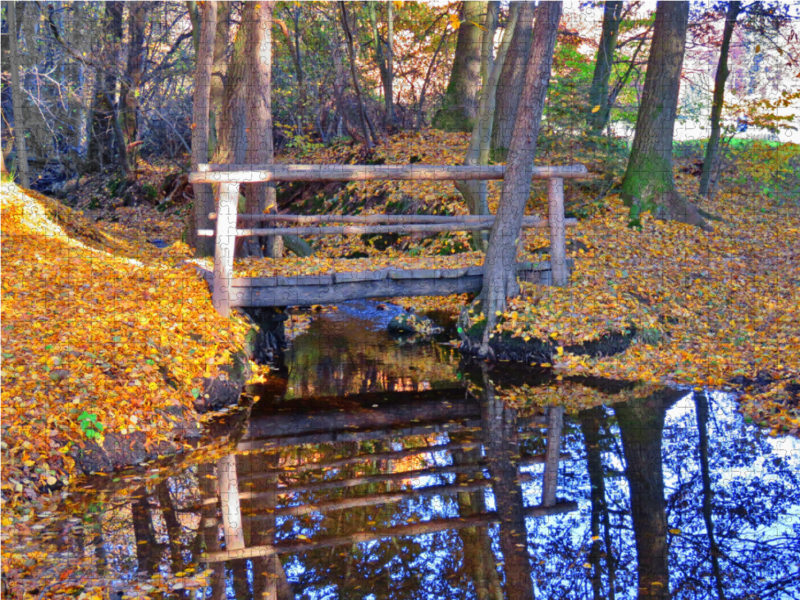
{"type": "Point", "coordinates": [393, 421]}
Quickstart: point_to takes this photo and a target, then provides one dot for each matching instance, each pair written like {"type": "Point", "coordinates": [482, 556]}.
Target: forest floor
{"type": "Point", "coordinates": [96, 319]}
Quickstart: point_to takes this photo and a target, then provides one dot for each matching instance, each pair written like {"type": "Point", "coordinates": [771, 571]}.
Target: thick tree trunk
{"type": "Point", "coordinates": [203, 192]}
{"type": "Point", "coordinates": [641, 424]}
{"type": "Point", "coordinates": [710, 162]}
{"type": "Point", "coordinates": [475, 192]}
{"type": "Point", "coordinates": [21, 162]}
{"type": "Point", "coordinates": [460, 105]}
{"type": "Point", "coordinates": [599, 108]}
{"type": "Point", "coordinates": [130, 88]}
{"type": "Point", "coordinates": [218, 74]}
{"type": "Point", "coordinates": [500, 279]}
{"type": "Point", "coordinates": [513, 78]}
{"type": "Point", "coordinates": [258, 61]}
{"type": "Point", "coordinates": [649, 184]}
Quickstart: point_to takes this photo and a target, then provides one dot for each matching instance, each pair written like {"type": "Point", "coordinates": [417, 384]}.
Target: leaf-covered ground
{"type": "Point", "coordinates": [100, 334]}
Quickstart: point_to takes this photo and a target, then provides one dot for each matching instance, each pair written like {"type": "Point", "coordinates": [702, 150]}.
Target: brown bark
{"type": "Point", "coordinates": [351, 53]}
{"type": "Point", "coordinates": [712, 149]}
{"type": "Point", "coordinates": [512, 80]}
{"type": "Point", "coordinates": [203, 192]}
{"type": "Point", "coordinates": [460, 105]}
{"type": "Point", "coordinates": [649, 183]}
{"type": "Point", "coordinates": [131, 83]}
{"type": "Point", "coordinates": [500, 276]}
{"type": "Point", "coordinates": [599, 108]}
{"type": "Point", "coordinates": [21, 162]}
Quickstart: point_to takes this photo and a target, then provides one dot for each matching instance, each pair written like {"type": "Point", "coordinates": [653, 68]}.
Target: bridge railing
{"type": "Point", "coordinates": [229, 177]}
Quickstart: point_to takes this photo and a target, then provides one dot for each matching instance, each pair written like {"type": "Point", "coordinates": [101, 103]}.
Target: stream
{"type": "Point", "coordinates": [374, 466]}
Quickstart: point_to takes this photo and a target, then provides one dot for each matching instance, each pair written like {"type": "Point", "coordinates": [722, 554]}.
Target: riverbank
{"type": "Point", "coordinates": [109, 348]}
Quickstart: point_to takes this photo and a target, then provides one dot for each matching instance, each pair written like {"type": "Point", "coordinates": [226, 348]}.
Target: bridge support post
{"type": "Point", "coordinates": [558, 230]}
{"type": "Point", "coordinates": [224, 247]}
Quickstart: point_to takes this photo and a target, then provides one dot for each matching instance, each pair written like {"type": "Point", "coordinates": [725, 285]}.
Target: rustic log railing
{"type": "Point", "coordinates": [230, 176]}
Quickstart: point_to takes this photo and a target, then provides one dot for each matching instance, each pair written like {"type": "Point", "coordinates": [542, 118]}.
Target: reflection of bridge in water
{"type": "Point", "coordinates": [378, 450]}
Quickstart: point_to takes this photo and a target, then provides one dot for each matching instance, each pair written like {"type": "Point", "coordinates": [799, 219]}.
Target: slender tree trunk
{"type": "Point", "coordinates": [354, 72]}
{"type": "Point", "coordinates": [383, 62]}
{"type": "Point", "coordinates": [500, 279]}
{"type": "Point", "coordinates": [294, 50]}
{"type": "Point", "coordinates": [649, 183]}
{"type": "Point", "coordinates": [131, 83]}
{"type": "Point", "coordinates": [258, 61]}
{"type": "Point", "coordinates": [203, 192]}
{"type": "Point", "coordinates": [599, 109]}
{"type": "Point", "coordinates": [513, 78]}
{"type": "Point", "coordinates": [427, 81]}
{"type": "Point", "coordinates": [711, 159]}
{"type": "Point", "coordinates": [21, 162]}
{"type": "Point", "coordinates": [701, 407]}
{"type": "Point", "coordinates": [460, 105]}
{"type": "Point", "coordinates": [391, 119]}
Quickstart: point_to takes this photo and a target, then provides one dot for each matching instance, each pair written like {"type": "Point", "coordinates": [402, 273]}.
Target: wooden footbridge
{"type": "Point", "coordinates": [229, 291]}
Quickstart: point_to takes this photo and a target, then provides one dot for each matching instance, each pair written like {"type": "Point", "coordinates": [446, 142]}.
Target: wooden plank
{"type": "Point", "coordinates": [223, 252]}
{"type": "Point", "coordinates": [407, 229]}
{"type": "Point", "coordinates": [244, 173]}
{"type": "Point", "coordinates": [424, 528]}
{"type": "Point", "coordinates": [558, 239]}
{"type": "Point", "coordinates": [369, 219]}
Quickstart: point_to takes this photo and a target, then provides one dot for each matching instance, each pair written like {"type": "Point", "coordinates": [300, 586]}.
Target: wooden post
{"type": "Point", "coordinates": [558, 238]}
{"type": "Point", "coordinates": [229, 501]}
{"type": "Point", "coordinates": [225, 242]}
{"type": "Point", "coordinates": [555, 423]}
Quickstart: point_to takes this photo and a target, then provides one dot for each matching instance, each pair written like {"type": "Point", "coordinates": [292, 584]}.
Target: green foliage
{"type": "Point", "coordinates": [91, 427]}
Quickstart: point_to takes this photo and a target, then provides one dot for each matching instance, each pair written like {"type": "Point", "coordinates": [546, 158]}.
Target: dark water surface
{"type": "Point", "coordinates": [378, 467]}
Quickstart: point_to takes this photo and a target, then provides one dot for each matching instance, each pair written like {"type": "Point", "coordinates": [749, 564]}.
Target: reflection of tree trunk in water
{"type": "Point", "coordinates": [143, 532]}
{"type": "Point", "coordinates": [172, 524]}
{"type": "Point", "coordinates": [502, 452]}
{"type": "Point", "coordinates": [701, 406]}
{"type": "Point", "coordinates": [479, 561]}
{"type": "Point", "coordinates": [641, 424]}
{"type": "Point", "coordinates": [208, 537]}
{"type": "Point", "coordinates": [269, 578]}
{"type": "Point", "coordinates": [591, 421]}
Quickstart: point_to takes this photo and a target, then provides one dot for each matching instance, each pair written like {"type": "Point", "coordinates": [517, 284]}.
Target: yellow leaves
{"type": "Point", "coordinates": [455, 22]}
{"type": "Point", "coordinates": [596, 108]}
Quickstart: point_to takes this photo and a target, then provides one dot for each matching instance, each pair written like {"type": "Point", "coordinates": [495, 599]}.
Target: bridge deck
{"type": "Point", "coordinates": [331, 288]}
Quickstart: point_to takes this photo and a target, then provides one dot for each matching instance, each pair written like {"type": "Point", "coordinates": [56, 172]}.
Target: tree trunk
{"type": "Point", "coordinates": [641, 425]}
{"type": "Point", "coordinates": [710, 162]}
{"type": "Point", "coordinates": [21, 162]}
{"type": "Point", "coordinates": [258, 64]}
{"type": "Point", "coordinates": [130, 88]}
{"type": "Point", "coordinates": [701, 408]}
{"type": "Point", "coordinates": [649, 184]}
{"type": "Point", "coordinates": [475, 192]}
{"type": "Point", "coordinates": [203, 192]}
{"type": "Point", "coordinates": [513, 78]}
{"type": "Point", "coordinates": [500, 279]}
{"type": "Point", "coordinates": [354, 73]}
{"type": "Point", "coordinates": [599, 108]}
{"type": "Point", "coordinates": [384, 61]}
{"type": "Point", "coordinates": [460, 104]}
{"type": "Point", "coordinates": [218, 74]}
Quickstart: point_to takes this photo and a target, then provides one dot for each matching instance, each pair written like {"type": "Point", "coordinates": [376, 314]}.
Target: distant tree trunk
{"type": "Point", "coordinates": [500, 280]}
{"type": "Point", "coordinates": [384, 61]}
{"type": "Point", "coordinates": [641, 425]}
{"type": "Point", "coordinates": [649, 184]}
{"type": "Point", "coordinates": [599, 109]}
{"type": "Point", "coordinates": [427, 81]}
{"type": "Point", "coordinates": [21, 162]}
{"type": "Point", "coordinates": [294, 50]}
{"type": "Point", "coordinates": [475, 192]}
{"type": "Point", "coordinates": [131, 83]}
{"type": "Point", "coordinates": [354, 72]}
{"type": "Point", "coordinates": [513, 79]}
{"type": "Point", "coordinates": [460, 105]}
{"type": "Point", "coordinates": [710, 162]}
{"type": "Point", "coordinates": [258, 61]}
{"type": "Point", "coordinates": [203, 192]}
